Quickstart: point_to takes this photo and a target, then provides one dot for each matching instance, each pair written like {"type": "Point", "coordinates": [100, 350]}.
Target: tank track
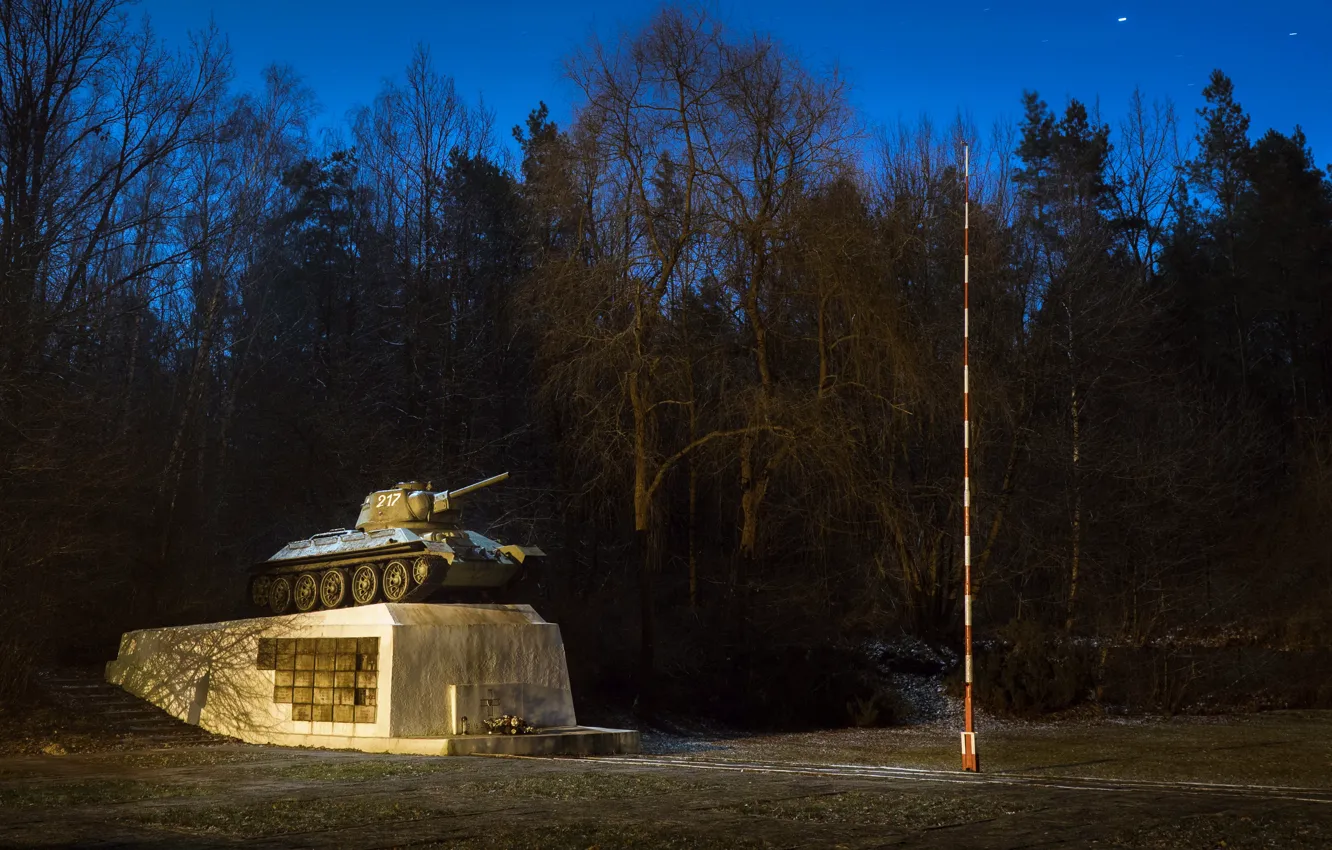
{"type": "Point", "coordinates": [301, 588]}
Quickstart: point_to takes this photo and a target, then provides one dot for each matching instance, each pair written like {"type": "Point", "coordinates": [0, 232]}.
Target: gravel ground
{"type": "Point", "coordinates": [1074, 783]}
{"type": "Point", "coordinates": [1287, 748]}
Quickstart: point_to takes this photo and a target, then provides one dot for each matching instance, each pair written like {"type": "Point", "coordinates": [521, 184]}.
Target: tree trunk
{"type": "Point", "coordinates": [1076, 541]}
{"type": "Point", "coordinates": [170, 487]}
{"type": "Point", "coordinates": [647, 623]}
{"type": "Point", "coordinates": [823, 347]}
{"type": "Point", "coordinates": [642, 519]}
{"type": "Point", "coordinates": [1005, 491]}
{"type": "Point", "coordinates": [693, 532]}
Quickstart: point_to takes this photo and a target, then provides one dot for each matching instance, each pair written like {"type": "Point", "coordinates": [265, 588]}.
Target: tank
{"type": "Point", "coordinates": [409, 545]}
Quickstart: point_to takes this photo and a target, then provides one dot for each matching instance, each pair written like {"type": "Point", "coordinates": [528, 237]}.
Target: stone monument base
{"type": "Point", "coordinates": [390, 678]}
{"type": "Point", "coordinates": [558, 741]}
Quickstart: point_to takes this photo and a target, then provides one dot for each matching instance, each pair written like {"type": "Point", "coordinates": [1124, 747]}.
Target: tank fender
{"type": "Point", "coordinates": [521, 553]}
{"type": "Point", "coordinates": [443, 550]}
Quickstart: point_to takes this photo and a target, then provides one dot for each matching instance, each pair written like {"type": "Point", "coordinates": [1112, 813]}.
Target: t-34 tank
{"type": "Point", "coordinates": [408, 544]}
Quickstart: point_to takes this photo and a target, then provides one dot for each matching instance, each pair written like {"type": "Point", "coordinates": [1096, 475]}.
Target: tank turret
{"type": "Point", "coordinates": [411, 503]}
{"type": "Point", "coordinates": [409, 545]}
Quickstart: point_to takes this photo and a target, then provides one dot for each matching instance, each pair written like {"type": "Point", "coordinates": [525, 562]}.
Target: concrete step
{"type": "Point", "coordinates": [84, 691]}
{"type": "Point", "coordinates": [99, 704]}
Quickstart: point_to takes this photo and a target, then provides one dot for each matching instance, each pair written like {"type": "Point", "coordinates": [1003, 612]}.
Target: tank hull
{"type": "Point", "coordinates": [350, 567]}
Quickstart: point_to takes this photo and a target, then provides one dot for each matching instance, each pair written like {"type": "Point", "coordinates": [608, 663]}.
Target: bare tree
{"type": "Point", "coordinates": [1145, 172]}
{"type": "Point", "coordinates": [96, 118]}
{"type": "Point", "coordinates": [784, 132]}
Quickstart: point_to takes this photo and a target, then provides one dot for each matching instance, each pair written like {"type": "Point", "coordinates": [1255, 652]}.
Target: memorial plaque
{"type": "Point", "coordinates": [325, 679]}
{"type": "Point", "coordinates": [267, 654]}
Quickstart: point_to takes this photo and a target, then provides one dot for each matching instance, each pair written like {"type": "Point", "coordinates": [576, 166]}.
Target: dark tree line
{"type": "Point", "coordinates": [712, 327]}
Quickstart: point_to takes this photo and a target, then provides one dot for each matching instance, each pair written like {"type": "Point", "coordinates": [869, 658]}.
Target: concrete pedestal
{"type": "Point", "coordinates": [399, 678]}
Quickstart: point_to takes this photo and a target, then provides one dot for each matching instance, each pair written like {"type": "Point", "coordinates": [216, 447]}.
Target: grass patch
{"type": "Point", "coordinates": [92, 792]}
{"type": "Point", "coordinates": [577, 786]}
{"type": "Point", "coordinates": [280, 816]}
{"type": "Point", "coordinates": [909, 811]}
{"type": "Point", "coordinates": [357, 770]}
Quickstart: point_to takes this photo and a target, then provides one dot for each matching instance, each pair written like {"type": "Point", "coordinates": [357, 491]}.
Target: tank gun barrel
{"type": "Point", "coordinates": [443, 499]}
{"type": "Point", "coordinates": [472, 488]}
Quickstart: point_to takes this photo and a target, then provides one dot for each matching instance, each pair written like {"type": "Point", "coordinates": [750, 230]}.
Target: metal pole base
{"type": "Point", "coordinates": [970, 760]}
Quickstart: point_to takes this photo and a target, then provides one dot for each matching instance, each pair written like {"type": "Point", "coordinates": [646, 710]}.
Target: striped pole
{"type": "Point", "coordinates": [970, 761]}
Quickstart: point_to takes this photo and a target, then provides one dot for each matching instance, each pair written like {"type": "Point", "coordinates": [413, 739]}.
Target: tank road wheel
{"type": "Point", "coordinates": [259, 586]}
{"type": "Point", "coordinates": [333, 588]}
{"type": "Point", "coordinates": [397, 580]}
{"type": "Point", "coordinates": [279, 595]}
{"type": "Point", "coordinates": [306, 592]}
{"type": "Point", "coordinates": [421, 570]}
{"type": "Point", "coordinates": [365, 584]}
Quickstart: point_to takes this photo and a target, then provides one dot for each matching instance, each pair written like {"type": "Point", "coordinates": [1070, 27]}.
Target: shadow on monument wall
{"type": "Point", "coordinates": [190, 670]}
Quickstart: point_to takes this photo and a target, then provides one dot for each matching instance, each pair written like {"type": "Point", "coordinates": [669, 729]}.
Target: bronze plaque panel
{"type": "Point", "coordinates": [267, 654]}
{"type": "Point", "coordinates": [328, 679]}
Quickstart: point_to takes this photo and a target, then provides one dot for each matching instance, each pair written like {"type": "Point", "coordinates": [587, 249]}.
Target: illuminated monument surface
{"type": "Point", "coordinates": [400, 678]}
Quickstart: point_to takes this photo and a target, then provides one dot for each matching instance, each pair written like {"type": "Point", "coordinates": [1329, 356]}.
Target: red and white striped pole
{"type": "Point", "coordinates": [970, 760]}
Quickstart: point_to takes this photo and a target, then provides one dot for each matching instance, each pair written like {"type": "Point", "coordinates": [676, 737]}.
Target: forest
{"type": "Point", "coordinates": [713, 330]}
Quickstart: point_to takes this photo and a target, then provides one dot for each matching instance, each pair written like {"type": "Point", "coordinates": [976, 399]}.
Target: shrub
{"type": "Point", "coordinates": [1033, 670]}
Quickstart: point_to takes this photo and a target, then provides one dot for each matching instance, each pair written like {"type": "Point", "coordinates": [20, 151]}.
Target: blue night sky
{"type": "Point", "coordinates": [901, 59]}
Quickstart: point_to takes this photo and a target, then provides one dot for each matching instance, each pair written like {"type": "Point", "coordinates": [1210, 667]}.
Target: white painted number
{"type": "Point", "coordinates": [387, 500]}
